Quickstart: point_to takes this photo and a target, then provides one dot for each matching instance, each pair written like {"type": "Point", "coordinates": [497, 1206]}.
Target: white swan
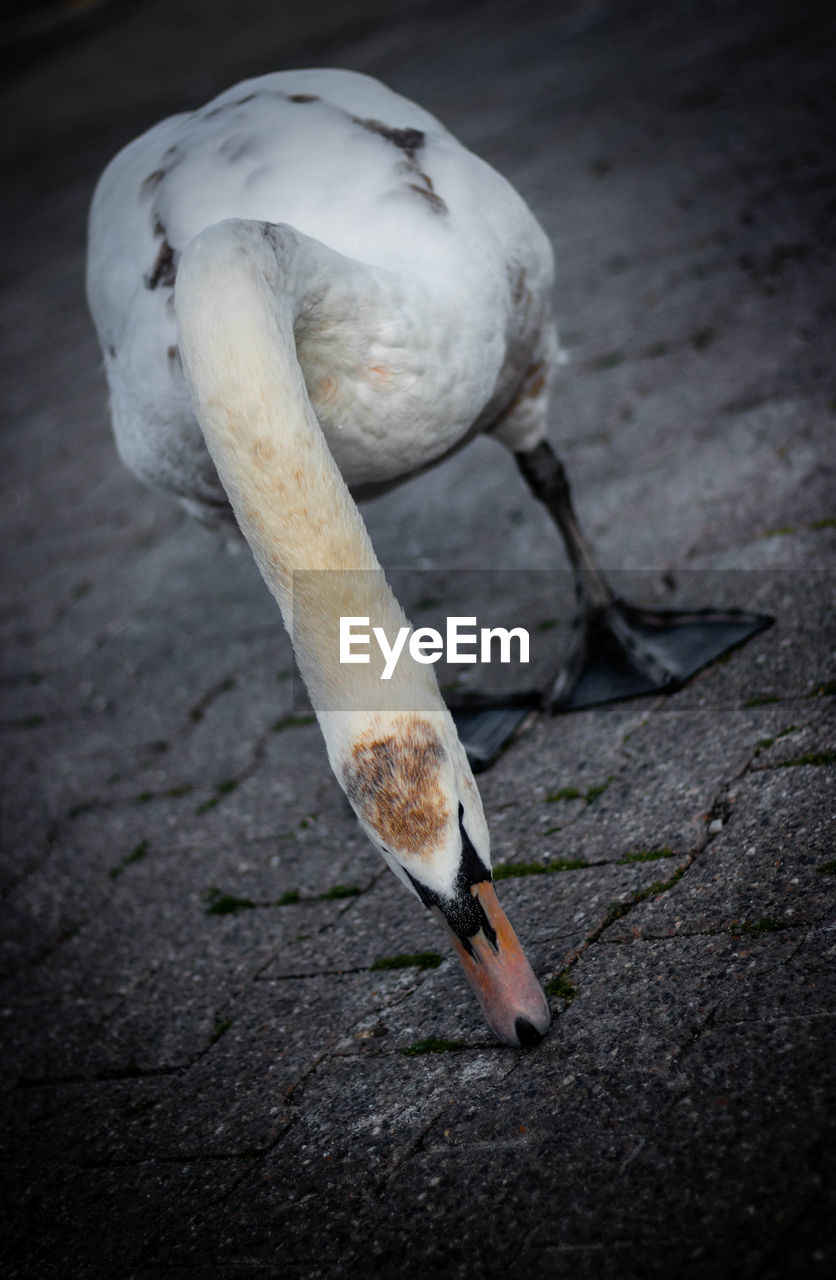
{"type": "Point", "coordinates": [356, 295]}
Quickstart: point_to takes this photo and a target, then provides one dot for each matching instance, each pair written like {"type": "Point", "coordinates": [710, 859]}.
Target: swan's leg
{"type": "Point", "coordinates": [618, 650]}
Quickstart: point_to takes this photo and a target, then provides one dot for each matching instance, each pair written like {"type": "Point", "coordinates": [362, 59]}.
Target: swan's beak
{"type": "Point", "coordinates": [512, 1000]}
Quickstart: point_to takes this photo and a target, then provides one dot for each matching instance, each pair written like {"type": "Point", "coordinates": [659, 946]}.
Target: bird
{"type": "Point", "coordinates": [307, 291]}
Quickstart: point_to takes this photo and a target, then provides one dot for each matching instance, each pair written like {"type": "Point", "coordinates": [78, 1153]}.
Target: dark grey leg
{"type": "Point", "coordinates": [618, 650]}
{"type": "Point", "coordinates": [547, 480]}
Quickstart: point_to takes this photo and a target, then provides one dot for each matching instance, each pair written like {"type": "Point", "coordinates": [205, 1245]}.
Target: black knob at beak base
{"type": "Point", "coordinates": [527, 1034]}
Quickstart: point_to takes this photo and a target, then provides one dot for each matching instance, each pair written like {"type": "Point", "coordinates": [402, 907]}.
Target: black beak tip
{"type": "Point", "coordinates": [527, 1033]}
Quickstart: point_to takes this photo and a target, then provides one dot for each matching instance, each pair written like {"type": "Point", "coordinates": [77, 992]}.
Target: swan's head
{"type": "Point", "coordinates": [408, 780]}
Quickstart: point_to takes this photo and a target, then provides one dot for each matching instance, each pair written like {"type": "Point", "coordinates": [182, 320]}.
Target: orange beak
{"type": "Point", "coordinates": [511, 998]}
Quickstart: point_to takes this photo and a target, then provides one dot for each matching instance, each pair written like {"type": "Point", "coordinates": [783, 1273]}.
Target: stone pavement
{"type": "Point", "coordinates": [207, 1072]}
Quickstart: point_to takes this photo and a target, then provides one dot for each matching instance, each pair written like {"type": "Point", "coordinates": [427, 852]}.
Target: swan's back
{"type": "Point", "coordinates": [342, 159]}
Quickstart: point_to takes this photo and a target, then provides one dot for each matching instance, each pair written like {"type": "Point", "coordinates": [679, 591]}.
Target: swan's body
{"type": "Point", "coordinates": [356, 295]}
{"type": "Point", "coordinates": [432, 330]}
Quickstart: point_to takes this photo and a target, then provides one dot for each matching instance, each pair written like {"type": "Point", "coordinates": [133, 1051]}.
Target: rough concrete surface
{"type": "Point", "coordinates": [226, 1094]}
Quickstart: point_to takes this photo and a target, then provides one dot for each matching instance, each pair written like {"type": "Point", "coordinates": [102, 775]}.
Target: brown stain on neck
{"type": "Point", "coordinates": [393, 781]}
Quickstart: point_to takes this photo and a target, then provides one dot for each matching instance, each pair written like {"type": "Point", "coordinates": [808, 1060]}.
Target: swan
{"type": "Point", "coordinates": [305, 292]}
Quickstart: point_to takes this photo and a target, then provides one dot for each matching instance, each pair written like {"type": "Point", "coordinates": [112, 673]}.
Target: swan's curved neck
{"type": "Point", "coordinates": [241, 289]}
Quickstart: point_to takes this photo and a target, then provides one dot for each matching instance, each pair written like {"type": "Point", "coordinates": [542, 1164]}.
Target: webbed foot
{"type": "Point", "coordinates": [621, 651]}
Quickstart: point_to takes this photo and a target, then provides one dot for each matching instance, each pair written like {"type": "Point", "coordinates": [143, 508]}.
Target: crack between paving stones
{"type": "Point", "coordinates": [725, 931]}
{"type": "Point", "coordinates": [657, 704]}
{"type": "Point", "coordinates": [198, 709]}
{"type": "Point", "coordinates": [330, 924]}
{"type": "Point", "coordinates": [195, 1157]}
{"type": "Point", "coordinates": [396, 999]}
{"type": "Point", "coordinates": [50, 840]}
{"type": "Point", "coordinates": [70, 931]}
{"type": "Point", "coordinates": [418, 1143]}
{"type": "Point", "coordinates": [719, 805]}
{"type": "Point", "coordinates": [627, 1242]}
{"type": "Point", "coordinates": [769, 1018]}
{"type": "Point", "coordinates": [98, 805]}
{"type": "Point", "coordinates": [152, 1242]}
{"type": "Point", "coordinates": [101, 1077]}
{"type": "Point", "coordinates": [253, 1166]}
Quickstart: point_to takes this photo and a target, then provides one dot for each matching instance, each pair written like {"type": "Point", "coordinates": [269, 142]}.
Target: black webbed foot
{"type": "Point", "coordinates": [487, 722]}
{"type": "Point", "coordinates": [617, 650]}
{"type": "Point", "coordinates": [621, 651]}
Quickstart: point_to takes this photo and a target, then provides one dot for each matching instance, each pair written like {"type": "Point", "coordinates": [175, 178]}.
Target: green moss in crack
{"type": "Point", "coordinates": [513, 870]}
{"type": "Point", "coordinates": [136, 855]}
{"type": "Point", "coordinates": [812, 758]}
{"type": "Point", "coordinates": [288, 898]}
{"type": "Point", "coordinates": [766, 924]}
{"type": "Point", "coordinates": [615, 911]}
{"type": "Point", "coordinates": [646, 855]}
{"type": "Point", "coordinates": [222, 789]}
{"type": "Point", "coordinates": [78, 809]}
{"type": "Point", "coordinates": [137, 1109]}
{"type": "Point", "coordinates": [225, 904]}
{"type": "Point", "coordinates": [594, 792]}
{"type": "Point", "coordinates": [340, 891]}
{"type": "Point", "coordinates": [609, 360]}
{"type": "Point", "coordinates": [434, 1044]}
{"type": "Point", "coordinates": [701, 339]}
{"type": "Point", "coordinates": [565, 793]}
{"type": "Point", "coordinates": [763, 700]}
{"type": "Point", "coordinates": [827, 522]}
{"type": "Point", "coordinates": [561, 988]}
{"type": "Point", "coordinates": [827, 868]}
{"type": "Point", "coordinates": [220, 1028]}
{"type": "Point", "coordinates": [618, 909]}
{"type": "Point", "coordinates": [825, 690]}
{"type": "Point", "coordinates": [419, 960]}
{"type": "Point", "coordinates": [185, 789]}
{"type": "Point", "coordinates": [510, 870]}
{"type": "Point", "coordinates": [763, 744]}
{"type": "Point", "coordinates": [197, 713]}
{"type": "Point", "coordinates": [656, 349]}
{"type": "Point", "coordinates": [662, 886]}
{"type": "Point", "coordinates": [292, 722]}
